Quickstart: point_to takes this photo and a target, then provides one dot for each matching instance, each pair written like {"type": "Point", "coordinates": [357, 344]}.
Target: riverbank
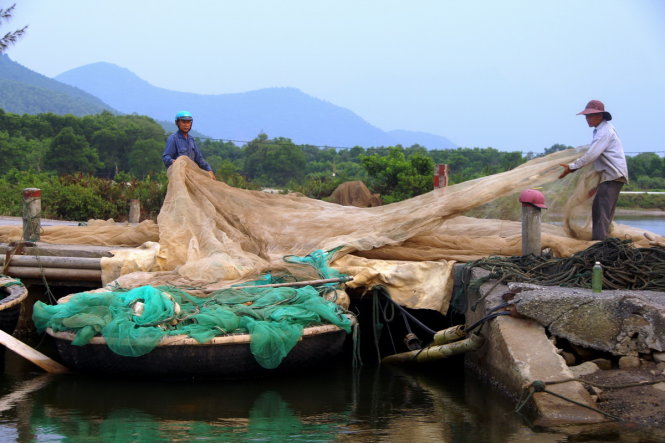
{"type": "Point", "coordinates": [639, 211]}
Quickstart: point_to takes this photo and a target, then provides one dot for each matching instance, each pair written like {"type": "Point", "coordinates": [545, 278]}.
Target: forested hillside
{"type": "Point", "coordinates": [90, 167]}
{"type": "Point", "coordinates": [23, 91]}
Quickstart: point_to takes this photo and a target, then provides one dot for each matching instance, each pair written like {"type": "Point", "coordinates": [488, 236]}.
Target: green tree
{"type": "Point", "coordinates": [145, 158]}
{"type": "Point", "coordinates": [648, 164]}
{"type": "Point", "coordinates": [111, 146]}
{"type": "Point", "coordinates": [274, 162]}
{"type": "Point", "coordinates": [555, 148]}
{"type": "Point", "coordinates": [397, 178]}
{"type": "Point", "coordinates": [71, 153]}
{"type": "Point", "coordinates": [11, 37]}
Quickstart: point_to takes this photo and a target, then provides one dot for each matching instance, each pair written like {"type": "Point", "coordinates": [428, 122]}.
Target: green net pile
{"type": "Point", "coordinates": [134, 321]}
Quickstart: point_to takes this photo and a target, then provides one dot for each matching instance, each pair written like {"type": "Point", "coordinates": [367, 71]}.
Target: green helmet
{"type": "Point", "coordinates": [184, 115]}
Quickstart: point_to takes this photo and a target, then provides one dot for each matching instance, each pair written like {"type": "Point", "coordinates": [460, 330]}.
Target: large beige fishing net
{"type": "Point", "coordinates": [211, 235]}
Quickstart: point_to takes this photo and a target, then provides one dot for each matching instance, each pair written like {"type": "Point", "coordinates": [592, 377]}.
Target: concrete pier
{"type": "Point", "coordinates": [517, 353]}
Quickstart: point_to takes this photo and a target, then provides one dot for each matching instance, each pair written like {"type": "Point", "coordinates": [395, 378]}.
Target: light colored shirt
{"type": "Point", "coordinates": [606, 153]}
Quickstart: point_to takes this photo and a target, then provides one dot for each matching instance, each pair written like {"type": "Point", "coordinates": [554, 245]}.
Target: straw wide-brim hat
{"type": "Point", "coordinates": [596, 107]}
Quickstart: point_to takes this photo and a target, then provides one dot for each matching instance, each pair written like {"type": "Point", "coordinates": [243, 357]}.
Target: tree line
{"type": "Point", "coordinates": [105, 155]}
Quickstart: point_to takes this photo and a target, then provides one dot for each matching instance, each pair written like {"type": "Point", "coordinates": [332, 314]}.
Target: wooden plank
{"type": "Point", "coordinates": [33, 355]}
{"type": "Point", "coordinates": [288, 284]}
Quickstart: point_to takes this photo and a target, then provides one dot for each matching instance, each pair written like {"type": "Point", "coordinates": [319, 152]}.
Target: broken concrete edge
{"type": "Point", "coordinates": [517, 353]}
{"type": "Point", "coordinates": [621, 322]}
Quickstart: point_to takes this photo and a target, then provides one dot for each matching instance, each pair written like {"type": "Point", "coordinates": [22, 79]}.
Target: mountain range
{"type": "Point", "coordinates": [277, 112]}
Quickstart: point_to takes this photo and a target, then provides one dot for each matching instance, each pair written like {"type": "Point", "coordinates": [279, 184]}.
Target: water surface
{"type": "Point", "coordinates": [336, 404]}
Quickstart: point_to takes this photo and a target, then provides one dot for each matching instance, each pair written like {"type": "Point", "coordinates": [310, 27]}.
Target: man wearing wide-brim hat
{"type": "Point", "coordinates": [606, 154]}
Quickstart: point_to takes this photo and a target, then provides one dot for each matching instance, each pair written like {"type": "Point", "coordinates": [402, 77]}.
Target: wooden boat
{"type": "Point", "coordinates": [226, 357]}
{"type": "Point", "coordinates": [12, 294]}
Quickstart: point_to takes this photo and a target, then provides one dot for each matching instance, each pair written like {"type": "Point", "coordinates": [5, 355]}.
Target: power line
{"type": "Point", "coordinates": [271, 142]}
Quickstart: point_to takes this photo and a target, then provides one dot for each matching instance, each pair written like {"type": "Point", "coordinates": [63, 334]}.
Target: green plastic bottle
{"type": "Point", "coordinates": [597, 278]}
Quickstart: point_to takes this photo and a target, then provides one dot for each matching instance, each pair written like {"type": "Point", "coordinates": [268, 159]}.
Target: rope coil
{"type": "Point", "coordinates": [624, 267]}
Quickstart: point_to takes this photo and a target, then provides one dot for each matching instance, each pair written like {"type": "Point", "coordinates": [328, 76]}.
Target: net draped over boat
{"type": "Point", "coordinates": [209, 234]}
{"type": "Point", "coordinates": [134, 322]}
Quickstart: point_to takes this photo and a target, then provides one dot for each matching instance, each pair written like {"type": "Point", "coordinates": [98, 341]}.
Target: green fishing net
{"type": "Point", "coordinates": [134, 321]}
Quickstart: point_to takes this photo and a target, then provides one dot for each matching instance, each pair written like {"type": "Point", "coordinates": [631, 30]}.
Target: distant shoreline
{"type": "Point", "coordinates": [647, 212]}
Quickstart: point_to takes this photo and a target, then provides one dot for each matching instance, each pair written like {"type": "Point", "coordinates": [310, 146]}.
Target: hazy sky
{"type": "Point", "coordinates": [510, 74]}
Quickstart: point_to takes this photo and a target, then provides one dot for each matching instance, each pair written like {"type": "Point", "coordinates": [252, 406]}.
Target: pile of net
{"type": "Point", "coordinates": [134, 321]}
{"type": "Point", "coordinates": [624, 267]}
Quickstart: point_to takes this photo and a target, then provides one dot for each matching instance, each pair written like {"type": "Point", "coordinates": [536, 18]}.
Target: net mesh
{"type": "Point", "coordinates": [133, 322]}
{"type": "Point", "coordinates": [211, 235]}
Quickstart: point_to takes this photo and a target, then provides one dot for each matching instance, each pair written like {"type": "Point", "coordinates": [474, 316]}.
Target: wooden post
{"type": "Point", "coordinates": [530, 230]}
{"type": "Point", "coordinates": [440, 176]}
{"type": "Point", "coordinates": [532, 202]}
{"type": "Point", "coordinates": [134, 211]}
{"type": "Point", "coordinates": [32, 211]}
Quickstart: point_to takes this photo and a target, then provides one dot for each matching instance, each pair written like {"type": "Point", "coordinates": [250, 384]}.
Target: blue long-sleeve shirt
{"type": "Point", "coordinates": [177, 145]}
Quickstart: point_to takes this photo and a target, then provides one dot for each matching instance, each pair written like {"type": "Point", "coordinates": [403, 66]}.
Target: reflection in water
{"type": "Point", "coordinates": [269, 419]}
{"type": "Point", "coordinates": [374, 404]}
{"type": "Point", "coordinates": [382, 404]}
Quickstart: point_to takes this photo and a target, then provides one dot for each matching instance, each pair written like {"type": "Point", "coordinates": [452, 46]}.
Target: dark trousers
{"type": "Point", "coordinates": [602, 210]}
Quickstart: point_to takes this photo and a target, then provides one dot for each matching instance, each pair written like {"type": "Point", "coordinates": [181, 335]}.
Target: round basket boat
{"type": "Point", "coordinates": [12, 294]}
{"type": "Point", "coordinates": [183, 357]}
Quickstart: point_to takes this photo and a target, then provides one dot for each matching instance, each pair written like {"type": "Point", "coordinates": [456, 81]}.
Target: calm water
{"type": "Point", "coordinates": [334, 405]}
{"type": "Point", "coordinates": [655, 224]}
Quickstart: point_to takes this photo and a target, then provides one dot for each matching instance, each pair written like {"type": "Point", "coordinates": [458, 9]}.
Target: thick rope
{"type": "Point", "coordinates": [624, 267]}
{"type": "Point", "coordinates": [540, 386]}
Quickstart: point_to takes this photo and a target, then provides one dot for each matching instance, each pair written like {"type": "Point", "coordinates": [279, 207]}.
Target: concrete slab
{"type": "Point", "coordinates": [622, 322]}
{"type": "Point", "coordinates": [517, 353]}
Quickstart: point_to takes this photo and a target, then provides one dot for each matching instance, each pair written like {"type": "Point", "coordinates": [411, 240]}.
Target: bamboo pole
{"type": "Point", "coordinates": [449, 335]}
{"type": "Point", "coordinates": [436, 352]}
{"type": "Point", "coordinates": [46, 261]}
{"type": "Point", "coordinates": [55, 273]}
{"type": "Point", "coordinates": [278, 285]}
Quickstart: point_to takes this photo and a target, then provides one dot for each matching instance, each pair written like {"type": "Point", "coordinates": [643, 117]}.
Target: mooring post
{"type": "Point", "coordinates": [532, 202]}
{"type": "Point", "coordinates": [134, 210]}
{"type": "Point", "coordinates": [440, 176]}
{"type": "Point", "coordinates": [32, 212]}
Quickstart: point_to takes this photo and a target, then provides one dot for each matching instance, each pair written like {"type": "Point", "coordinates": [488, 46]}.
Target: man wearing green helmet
{"type": "Point", "coordinates": [180, 143]}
